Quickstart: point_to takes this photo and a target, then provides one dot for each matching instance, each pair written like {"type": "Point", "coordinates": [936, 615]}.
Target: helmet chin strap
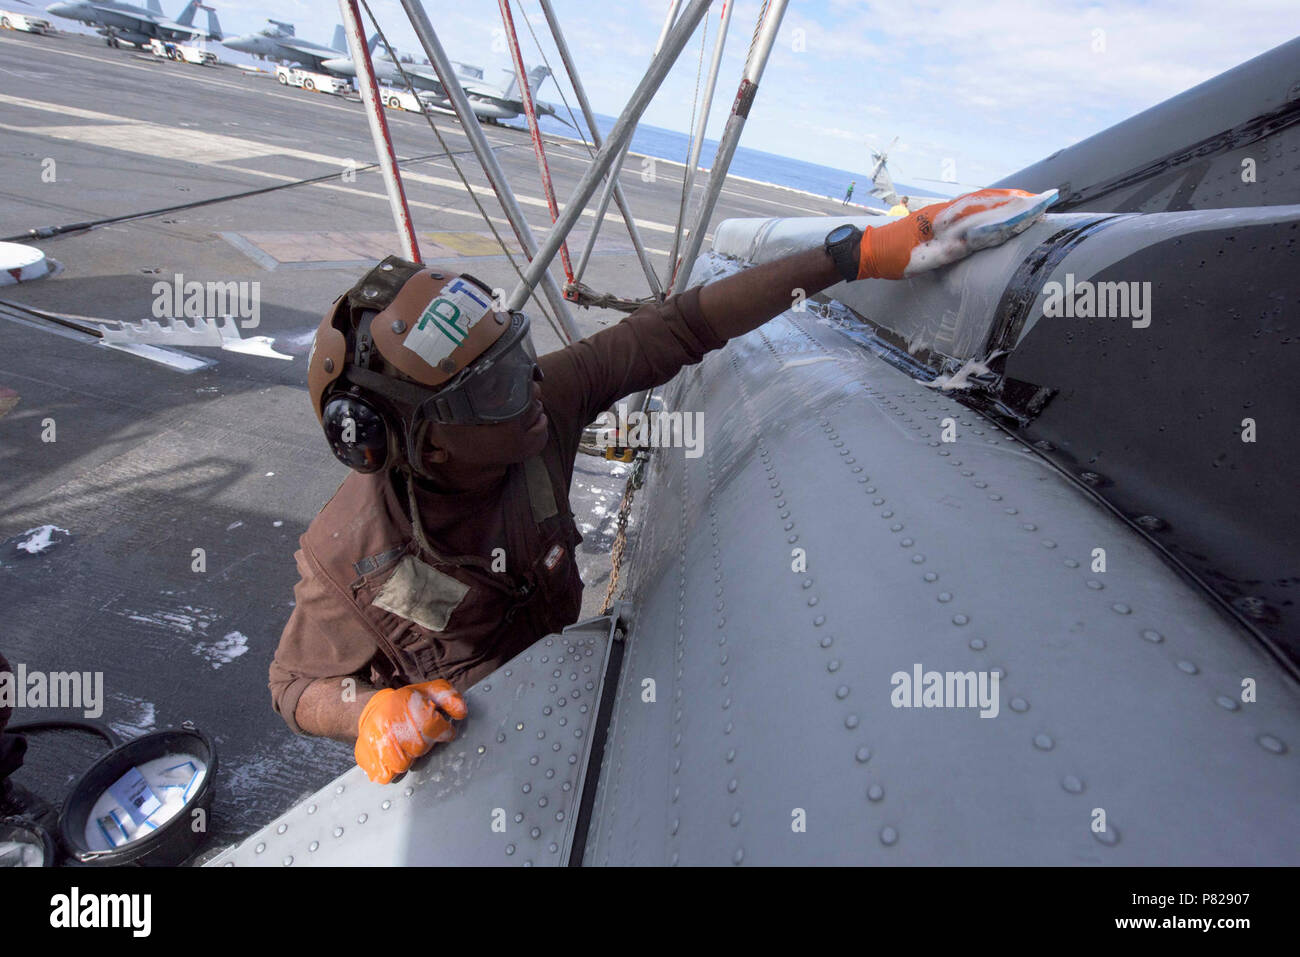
{"type": "Point", "coordinates": [417, 525]}
{"type": "Point", "coordinates": [412, 465]}
{"type": "Point", "coordinates": [414, 459]}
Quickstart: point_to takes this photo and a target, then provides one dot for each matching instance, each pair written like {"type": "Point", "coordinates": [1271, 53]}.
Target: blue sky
{"type": "Point", "coordinates": [988, 87]}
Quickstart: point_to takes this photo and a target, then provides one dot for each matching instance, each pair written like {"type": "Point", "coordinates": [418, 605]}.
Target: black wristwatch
{"type": "Point", "coordinates": [843, 244]}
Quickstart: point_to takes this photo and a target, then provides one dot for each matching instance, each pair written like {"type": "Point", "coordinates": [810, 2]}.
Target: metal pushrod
{"type": "Point", "coordinates": [351, 15]}
{"type": "Point", "coordinates": [534, 131]}
{"type": "Point", "coordinates": [759, 50]}
{"type": "Point", "coordinates": [617, 168]}
{"type": "Point", "coordinates": [469, 123]}
{"type": "Point", "coordinates": [618, 139]}
{"type": "Point", "coordinates": [697, 141]}
{"type": "Point", "coordinates": [589, 117]}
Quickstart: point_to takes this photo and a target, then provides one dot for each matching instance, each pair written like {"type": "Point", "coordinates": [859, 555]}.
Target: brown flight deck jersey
{"type": "Point", "coordinates": [373, 604]}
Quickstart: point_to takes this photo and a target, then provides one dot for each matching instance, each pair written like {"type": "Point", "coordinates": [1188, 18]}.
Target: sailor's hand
{"type": "Point", "coordinates": [945, 232]}
{"type": "Point", "coordinates": [400, 724]}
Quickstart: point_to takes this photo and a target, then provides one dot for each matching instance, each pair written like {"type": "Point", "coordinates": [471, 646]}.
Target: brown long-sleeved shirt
{"type": "Point", "coordinates": [335, 630]}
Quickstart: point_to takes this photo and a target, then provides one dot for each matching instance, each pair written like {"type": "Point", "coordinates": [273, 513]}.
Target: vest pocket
{"type": "Point", "coordinates": [422, 594]}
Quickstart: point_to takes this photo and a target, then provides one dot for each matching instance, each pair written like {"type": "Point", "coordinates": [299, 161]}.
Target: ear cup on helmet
{"type": "Point", "coordinates": [357, 433]}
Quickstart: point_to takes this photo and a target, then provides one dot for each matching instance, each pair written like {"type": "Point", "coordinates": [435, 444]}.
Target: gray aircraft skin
{"type": "Point", "coordinates": [124, 21]}
{"type": "Point", "coordinates": [277, 42]}
{"type": "Point", "coordinates": [1061, 518]}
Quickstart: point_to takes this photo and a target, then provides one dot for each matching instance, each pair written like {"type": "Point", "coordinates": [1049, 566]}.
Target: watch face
{"type": "Point", "coordinates": [839, 234]}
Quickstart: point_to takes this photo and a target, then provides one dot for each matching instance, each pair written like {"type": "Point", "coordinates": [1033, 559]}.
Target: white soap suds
{"type": "Point", "coordinates": [186, 618]}
{"type": "Point", "coordinates": [39, 539]}
{"type": "Point", "coordinates": [961, 378]}
{"type": "Point", "coordinates": [795, 363]}
{"type": "Point", "coordinates": [143, 716]}
{"type": "Point", "coordinates": [224, 650]}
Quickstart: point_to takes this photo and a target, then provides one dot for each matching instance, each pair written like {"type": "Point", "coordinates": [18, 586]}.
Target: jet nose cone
{"type": "Point", "coordinates": [339, 65]}
{"type": "Point", "coordinates": [60, 9]}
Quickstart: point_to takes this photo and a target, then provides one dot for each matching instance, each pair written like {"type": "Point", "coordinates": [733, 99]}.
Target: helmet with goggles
{"type": "Point", "coordinates": [408, 347]}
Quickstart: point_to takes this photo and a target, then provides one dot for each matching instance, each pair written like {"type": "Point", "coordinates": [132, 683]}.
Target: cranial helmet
{"type": "Point", "coordinates": [407, 347]}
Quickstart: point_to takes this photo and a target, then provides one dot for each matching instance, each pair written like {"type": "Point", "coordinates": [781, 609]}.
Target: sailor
{"type": "Point", "coordinates": [849, 195]}
{"type": "Point", "coordinates": [900, 208]}
{"type": "Point", "coordinates": [450, 547]}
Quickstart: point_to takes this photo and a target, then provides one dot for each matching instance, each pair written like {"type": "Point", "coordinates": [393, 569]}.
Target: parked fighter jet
{"type": "Point", "coordinates": [277, 42]}
{"type": "Point", "coordinates": [123, 21]}
{"type": "Point", "coordinates": [502, 103]}
{"type": "Point", "coordinates": [489, 102]}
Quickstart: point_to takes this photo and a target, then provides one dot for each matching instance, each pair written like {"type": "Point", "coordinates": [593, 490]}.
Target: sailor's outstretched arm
{"type": "Point", "coordinates": [650, 346]}
{"type": "Point", "coordinates": [745, 300]}
{"type": "Point", "coordinates": [926, 239]}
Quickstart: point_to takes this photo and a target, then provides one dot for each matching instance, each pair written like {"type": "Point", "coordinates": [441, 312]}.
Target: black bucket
{"type": "Point", "coordinates": [175, 839]}
{"type": "Point", "coordinates": [35, 847]}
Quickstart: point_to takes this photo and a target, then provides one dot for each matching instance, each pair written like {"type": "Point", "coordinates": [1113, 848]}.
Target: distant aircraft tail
{"type": "Point", "coordinates": [882, 186]}
{"type": "Point", "coordinates": [186, 19]}
{"type": "Point", "coordinates": [156, 7]}
{"type": "Point", "coordinates": [373, 42]}
{"type": "Point", "coordinates": [536, 76]}
{"type": "Point", "coordinates": [284, 29]}
{"type": "Point", "coordinates": [340, 41]}
{"type": "Point", "coordinates": [214, 25]}
{"type": "Point", "coordinates": [187, 15]}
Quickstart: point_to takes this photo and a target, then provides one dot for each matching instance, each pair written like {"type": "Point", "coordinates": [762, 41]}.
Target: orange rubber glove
{"type": "Point", "coordinates": [945, 232]}
{"type": "Point", "coordinates": [400, 724]}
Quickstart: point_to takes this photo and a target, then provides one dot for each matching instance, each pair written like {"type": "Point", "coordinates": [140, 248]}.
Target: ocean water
{"type": "Point", "coordinates": [750, 163]}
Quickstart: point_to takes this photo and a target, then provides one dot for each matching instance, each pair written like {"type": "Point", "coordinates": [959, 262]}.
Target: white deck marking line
{"type": "Point", "coordinates": [157, 140]}
{"type": "Point", "coordinates": [452, 129]}
{"type": "Point", "coordinates": [210, 81]}
{"type": "Point", "coordinates": [449, 129]}
{"type": "Point", "coordinates": [127, 132]}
